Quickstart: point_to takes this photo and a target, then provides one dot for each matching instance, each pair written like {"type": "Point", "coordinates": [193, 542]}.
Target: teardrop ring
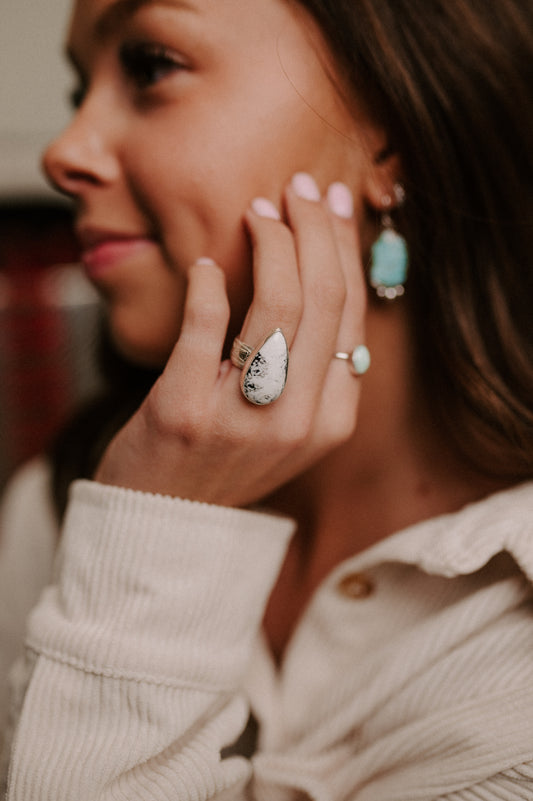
{"type": "Point", "coordinates": [264, 368]}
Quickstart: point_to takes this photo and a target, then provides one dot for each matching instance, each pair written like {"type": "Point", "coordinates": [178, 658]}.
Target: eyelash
{"type": "Point", "coordinates": [144, 65]}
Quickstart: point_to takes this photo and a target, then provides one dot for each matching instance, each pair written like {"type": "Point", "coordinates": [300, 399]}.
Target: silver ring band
{"type": "Point", "coordinates": [240, 352]}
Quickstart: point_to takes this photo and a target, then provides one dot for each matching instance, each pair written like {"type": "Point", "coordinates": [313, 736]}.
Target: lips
{"type": "Point", "coordinates": [104, 249]}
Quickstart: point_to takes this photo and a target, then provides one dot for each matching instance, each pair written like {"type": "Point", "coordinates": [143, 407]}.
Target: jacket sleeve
{"type": "Point", "coordinates": [139, 647]}
{"type": "Point", "coordinates": [515, 784]}
{"type": "Point", "coordinates": [28, 538]}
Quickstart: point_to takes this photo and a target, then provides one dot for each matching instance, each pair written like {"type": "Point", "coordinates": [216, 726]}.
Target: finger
{"type": "Point", "coordinates": [351, 328]}
{"type": "Point", "coordinates": [194, 365]}
{"type": "Point", "coordinates": [323, 284]}
{"type": "Point", "coordinates": [277, 297]}
{"type": "Point", "coordinates": [342, 387]}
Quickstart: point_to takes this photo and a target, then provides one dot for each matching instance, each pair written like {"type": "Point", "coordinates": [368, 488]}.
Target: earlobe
{"type": "Point", "coordinates": [383, 178]}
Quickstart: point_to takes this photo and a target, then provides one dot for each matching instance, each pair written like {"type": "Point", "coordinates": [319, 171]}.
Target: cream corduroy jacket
{"type": "Point", "coordinates": [409, 677]}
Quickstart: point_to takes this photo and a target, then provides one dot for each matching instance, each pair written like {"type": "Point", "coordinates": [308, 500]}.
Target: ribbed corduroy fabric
{"type": "Point", "coordinates": [145, 657]}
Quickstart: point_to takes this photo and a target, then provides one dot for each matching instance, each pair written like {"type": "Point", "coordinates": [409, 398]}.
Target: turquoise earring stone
{"type": "Point", "coordinates": [390, 260]}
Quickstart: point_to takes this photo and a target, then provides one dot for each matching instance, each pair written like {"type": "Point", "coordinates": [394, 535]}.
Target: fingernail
{"type": "Point", "coordinates": [340, 200]}
{"type": "Point", "coordinates": [265, 208]}
{"type": "Point", "coordinates": [305, 186]}
{"type": "Point", "coordinates": [206, 260]}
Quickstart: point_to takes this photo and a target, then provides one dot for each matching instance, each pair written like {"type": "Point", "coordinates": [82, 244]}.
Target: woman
{"type": "Point", "coordinates": [242, 171]}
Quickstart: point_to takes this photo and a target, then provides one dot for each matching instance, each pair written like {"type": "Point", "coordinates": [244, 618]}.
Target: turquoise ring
{"type": "Point", "coordinates": [359, 359]}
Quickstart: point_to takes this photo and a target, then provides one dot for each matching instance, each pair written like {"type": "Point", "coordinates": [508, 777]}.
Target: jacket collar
{"type": "Point", "coordinates": [464, 541]}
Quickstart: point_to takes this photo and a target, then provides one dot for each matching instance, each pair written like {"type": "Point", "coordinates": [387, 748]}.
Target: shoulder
{"type": "Point", "coordinates": [28, 533]}
{"type": "Point", "coordinates": [28, 537]}
{"type": "Point", "coordinates": [26, 500]}
{"type": "Point", "coordinates": [448, 687]}
{"type": "Point", "coordinates": [29, 482]}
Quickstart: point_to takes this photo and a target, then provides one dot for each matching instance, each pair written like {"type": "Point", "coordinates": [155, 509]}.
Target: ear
{"type": "Point", "coordinates": [383, 178]}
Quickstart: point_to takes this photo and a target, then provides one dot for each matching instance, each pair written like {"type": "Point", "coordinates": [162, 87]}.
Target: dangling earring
{"type": "Point", "coordinates": [390, 260]}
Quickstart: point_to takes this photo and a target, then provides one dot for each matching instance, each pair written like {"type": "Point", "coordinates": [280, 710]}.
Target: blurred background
{"type": "Point", "coordinates": [48, 312]}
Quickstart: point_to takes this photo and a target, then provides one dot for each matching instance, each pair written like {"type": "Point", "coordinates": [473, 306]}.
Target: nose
{"type": "Point", "coordinates": [83, 156]}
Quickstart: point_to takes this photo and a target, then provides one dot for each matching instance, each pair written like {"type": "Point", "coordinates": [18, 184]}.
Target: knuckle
{"type": "Point", "coordinates": [158, 414]}
{"type": "Point", "coordinates": [329, 293]}
{"type": "Point", "coordinates": [192, 426]}
{"type": "Point", "coordinates": [296, 431]}
{"type": "Point", "coordinates": [190, 431]}
{"type": "Point", "coordinates": [228, 432]}
{"type": "Point", "coordinates": [175, 419]}
{"type": "Point", "coordinates": [274, 258]}
{"type": "Point", "coordinates": [206, 315]}
{"type": "Point", "coordinates": [283, 305]}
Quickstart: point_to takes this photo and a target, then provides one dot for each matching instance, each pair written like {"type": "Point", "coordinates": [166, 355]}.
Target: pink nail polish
{"type": "Point", "coordinates": [340, 200]}
{"type": "Point", "coordinates": [205, 260]}
{"type": "Point", "coordinates": [305, 186]}
{"type": "Point", "coordinates": [265, 208]}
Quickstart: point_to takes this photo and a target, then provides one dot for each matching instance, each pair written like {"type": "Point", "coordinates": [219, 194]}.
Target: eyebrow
{"type": "Point", "coordinates": [117, 13]}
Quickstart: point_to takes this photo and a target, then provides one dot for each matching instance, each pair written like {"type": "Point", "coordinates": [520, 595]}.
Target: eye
{"type": "Point", "coordinates": [146, 64]}
{"type": "Point", "coordinates": [76, 96]}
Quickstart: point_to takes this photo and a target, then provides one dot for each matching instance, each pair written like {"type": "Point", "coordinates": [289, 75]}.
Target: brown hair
{"type": "Point", "coordinates": [451, 81]}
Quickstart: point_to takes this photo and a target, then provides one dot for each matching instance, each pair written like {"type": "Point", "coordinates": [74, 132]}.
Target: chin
{"type": "Point", "coordinates": [143, 351]}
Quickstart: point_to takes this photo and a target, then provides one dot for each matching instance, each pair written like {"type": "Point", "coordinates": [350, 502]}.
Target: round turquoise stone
{"type": "Point", "coordinates": [361, 359]}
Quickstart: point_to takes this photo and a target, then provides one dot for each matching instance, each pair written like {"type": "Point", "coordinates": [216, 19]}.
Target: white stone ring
{"type": "Point", "coordinates": [264, 368]}
{"type": "Point", "coordinates": [359, 359]}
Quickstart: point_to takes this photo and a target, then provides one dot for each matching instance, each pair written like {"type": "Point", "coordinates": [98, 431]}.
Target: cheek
{"type": "Point", "coordinates": [187, 191]}
{"type": "Point", "coordinates": [208, 159]}
{"type": "Point", "coordinates": [195, 197]}
{"type": "Point", "coordinates": [197, 179]}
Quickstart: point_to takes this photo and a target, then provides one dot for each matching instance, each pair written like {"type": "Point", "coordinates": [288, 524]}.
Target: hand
{"type": "Point", "coordinates": [195, 436]}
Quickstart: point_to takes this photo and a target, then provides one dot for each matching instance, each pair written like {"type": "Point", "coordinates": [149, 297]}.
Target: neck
{"type": "Point", "coordinates": [396, 470]}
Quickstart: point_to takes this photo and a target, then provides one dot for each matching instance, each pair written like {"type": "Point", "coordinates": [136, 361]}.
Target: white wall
{"type": "Point", "coordinates": [34, 86]}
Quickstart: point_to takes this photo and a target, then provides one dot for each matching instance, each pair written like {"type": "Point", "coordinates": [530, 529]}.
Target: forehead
{"type": "Point", "coordinates": [104, 16]}
{"type": "Point", "coordinates": [115, 11]}
{"type": "Point", "coordinates": [243, 32]}
{"type": "Point", "coordinates": [230, 24]}
{"type": "Point", "coordinates": [235, 23]}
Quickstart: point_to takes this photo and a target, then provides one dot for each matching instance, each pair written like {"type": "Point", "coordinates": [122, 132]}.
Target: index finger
{"type": "Point", "coordinates": [277, 295]}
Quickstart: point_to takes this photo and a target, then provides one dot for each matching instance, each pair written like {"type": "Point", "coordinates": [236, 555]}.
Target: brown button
{"type": "Point", "coordinates": [356, 586]}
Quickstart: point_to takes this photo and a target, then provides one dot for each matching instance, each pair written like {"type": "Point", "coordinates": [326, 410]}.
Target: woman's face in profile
{"type": "Point", "coordinates": [186, 111]}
